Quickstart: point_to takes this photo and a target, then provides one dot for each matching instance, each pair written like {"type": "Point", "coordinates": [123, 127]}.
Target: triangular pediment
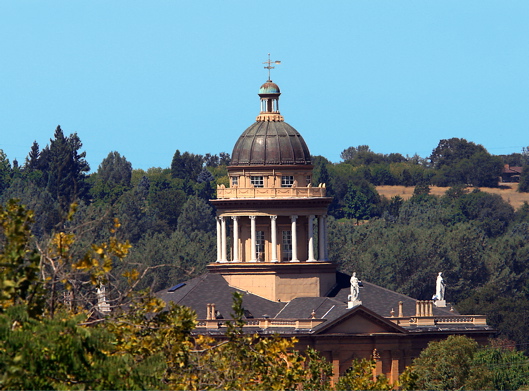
{"type": "Point", "coordinates": [360, 320]}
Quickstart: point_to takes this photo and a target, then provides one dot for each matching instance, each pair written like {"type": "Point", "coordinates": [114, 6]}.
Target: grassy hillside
{"type": "Point", "coordinates": [507, 191]}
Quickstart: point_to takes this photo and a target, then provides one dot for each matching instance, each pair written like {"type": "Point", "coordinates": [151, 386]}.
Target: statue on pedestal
{"type": "Point", "coordinates": [355, 288]}
{"type": "Point", "coordinates": [440, 288]}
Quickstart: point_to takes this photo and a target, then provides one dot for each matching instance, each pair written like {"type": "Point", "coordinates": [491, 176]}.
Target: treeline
{"type": "Point", "coordinates": [164, 213]}
{"type": "Point", "coordinates": [476, 239]}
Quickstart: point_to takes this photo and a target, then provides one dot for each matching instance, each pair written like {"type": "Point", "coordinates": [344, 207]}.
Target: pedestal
{"type": "Point", "coordinates": [352, 304]}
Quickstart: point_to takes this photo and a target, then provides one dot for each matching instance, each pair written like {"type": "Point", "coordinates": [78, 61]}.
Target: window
{"type": "Point", "coordinates": [287, 181]}
{"type": "Point", "coordinates": [234, 180]}
{"type": "Point", "coordinates": [259, 245]}
{"type": "Point", "coordinates": [309, 180]}
{"type": "Point", "coordinates": [257, 181]}
{"type": "Point", "coordinates": [287, 246]}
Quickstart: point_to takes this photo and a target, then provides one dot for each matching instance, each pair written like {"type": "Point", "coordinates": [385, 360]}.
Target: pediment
{"type": "Point", "coordinates": [360, 320]}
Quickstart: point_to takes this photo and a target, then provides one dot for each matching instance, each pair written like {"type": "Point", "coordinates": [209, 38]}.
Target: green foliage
{"type": "Point", "coordinates": [112, 179]}
{"type": "Point", "coordinates": [5, 172]}
{"type": "Point", "coordinates": [59, 353]}
{"type": "Point", "coordinates": [498, 368]}
{"type": "Point", "coordinates": [443, 365]}
{"type": "Point", "coordinates": [196, 215]}
{"type": "Point", "coordinates": [19, 264]}
{"type": "Point", "coordinates": [360, 377]}
{"type": "Point", "coordinates": [45, 208]}
{"type": "Point", "coordinates": [186, 165]}
{"type": "Point", "coordinates": [360, 202]}
{"type": "Point", "coordinates": [458, 363]}
{"type": "Point", "coordinates": [523, 186]}
{"type": "Point", "coordinates": [459, 161]}
{"type": "Point", "coordinates": [64, 169]}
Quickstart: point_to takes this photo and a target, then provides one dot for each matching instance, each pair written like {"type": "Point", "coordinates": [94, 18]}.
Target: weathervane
{"type": "Point", "coordinates": [269, 65]}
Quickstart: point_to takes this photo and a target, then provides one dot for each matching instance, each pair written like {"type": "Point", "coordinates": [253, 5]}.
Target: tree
{"type": "Point", "coordinates": [64, 168]}
{"type": "Point", "coordinates": [351, 152]}
{"type": "Point", "coordinates": [523, 186]}
{"type": "Point", "coordinates": [59, 353]}
{"type": "Point", "coordinates": [458, 363]}
{"type": "Point", "coordinates": [186, 166]}
{"type": "Point", "coordinates": [498, 368]}
{"type": "Point", "coordinates": [196, 215]}
{"type": "Point", "coordinates": [113, 177]}
{"type": "Point", "coordinates": [360, 377]}
{"type": "Point", "coordinates": [19, 263]}
{"type": "Point", "coordinates": [443, 365]}
{"type": "Point", "coordinates": [32, 160]}
{"type": "Point", "coordinates": [5, 172]}
{"type": "Point", "coordinates": [450, 151]}
{"type": "Point", "coordinates": [458, 161]}
{"type": "Point", "coordinates": [360, 202]}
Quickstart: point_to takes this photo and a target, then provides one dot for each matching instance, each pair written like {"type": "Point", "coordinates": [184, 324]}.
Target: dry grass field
{"type": "Point", "coordinates": [507, 191]}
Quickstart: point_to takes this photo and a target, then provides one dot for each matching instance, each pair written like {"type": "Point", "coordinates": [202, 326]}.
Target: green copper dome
{"type": "Point", "coordinates": [269, 88]}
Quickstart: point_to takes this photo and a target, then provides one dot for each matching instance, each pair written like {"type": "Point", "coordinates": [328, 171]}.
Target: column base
{"type": "Point", "coordinates": [295, 260]}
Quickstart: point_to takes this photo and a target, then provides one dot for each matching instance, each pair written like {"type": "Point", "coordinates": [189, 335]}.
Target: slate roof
{"type": "Point", "coordinates": [213, 288]}
{"type": "Point", "coordinates": [381, 300]}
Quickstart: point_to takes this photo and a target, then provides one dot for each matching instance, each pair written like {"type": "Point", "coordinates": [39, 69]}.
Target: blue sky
{"type": "Point", "coordinates": [145, 78]}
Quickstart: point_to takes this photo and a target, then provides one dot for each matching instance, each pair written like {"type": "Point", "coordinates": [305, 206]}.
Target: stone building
{"type": "Point", "coordinates": [272, 248]}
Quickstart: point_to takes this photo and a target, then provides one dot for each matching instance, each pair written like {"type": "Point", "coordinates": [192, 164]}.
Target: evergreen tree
{"type": "Point", "coordinates": [196, 215]}
{"type": "Point", "coordinates": [113, 177]}
{"type": "Point", "coordinates": [186, 166]}
{"type": "Point", "coordinates": [5, 172]}
{"type": "Point", "coordinates": [32, 160]}
{"type": "Point", "coordinates": [64, 168]}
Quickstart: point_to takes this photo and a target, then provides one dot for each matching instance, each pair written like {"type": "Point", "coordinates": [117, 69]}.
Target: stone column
{"type": "Point", "coordinates": [325, 240]}
{"type": "Point", "coordinates": [235, 238]}
{"type": "Point", "coordinates": [311, 239]}
{"type": "Point", "coordinates": [273, 234]}
{"type": "Point", "coordinates": [321, 238]}
{"type": "Point", "coordinates": [219, 240]}
{"type": "Point", "coordinates": [253, 239]}
{"type": "Point", "coordinates": [294, 240]}
{"type": "Point", "coordinates": [223, 239]}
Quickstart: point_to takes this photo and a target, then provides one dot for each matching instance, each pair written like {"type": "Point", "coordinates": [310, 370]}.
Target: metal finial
{"type": "Point", "coordinates": [269, 65]}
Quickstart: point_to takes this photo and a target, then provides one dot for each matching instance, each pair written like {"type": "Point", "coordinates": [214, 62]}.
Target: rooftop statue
{"type": "Point", "coordinates": [440, 288]}
{"type": "Point", "coordinates": [355, 288]}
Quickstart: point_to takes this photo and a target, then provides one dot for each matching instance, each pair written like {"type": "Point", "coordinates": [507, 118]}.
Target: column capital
{"type": "Point", "coordinates": [294, 217]}
{"type": "Point", "coordinates": [252, 217]}
{"type": "Point", "coordinates": [234, 218]}
{"type": "Point", "coordinates": [274, 217]}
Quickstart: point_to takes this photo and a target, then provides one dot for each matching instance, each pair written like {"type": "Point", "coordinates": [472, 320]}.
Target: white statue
{"type": "Point", "coordinates": [440, 288]}
{"type": "Point", "coordinates": [355, 288]}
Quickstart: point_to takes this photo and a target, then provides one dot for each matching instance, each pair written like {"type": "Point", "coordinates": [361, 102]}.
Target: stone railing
{"type": "Point", "coordinates": [476, 320]}
{"type": "Point", "coordinates": [263, 323]}
{"type": "Point", "coordinates": [270, 192]}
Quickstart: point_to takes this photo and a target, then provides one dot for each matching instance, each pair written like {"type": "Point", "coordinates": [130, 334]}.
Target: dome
{"type": "Point", "coordinates": [270, 143]}
{"type": "Point", "coordinates": [269, 88]}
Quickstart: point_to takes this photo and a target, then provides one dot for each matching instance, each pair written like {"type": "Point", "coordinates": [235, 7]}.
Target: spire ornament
{"type": "Point", "coordinates": [269, 65]}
